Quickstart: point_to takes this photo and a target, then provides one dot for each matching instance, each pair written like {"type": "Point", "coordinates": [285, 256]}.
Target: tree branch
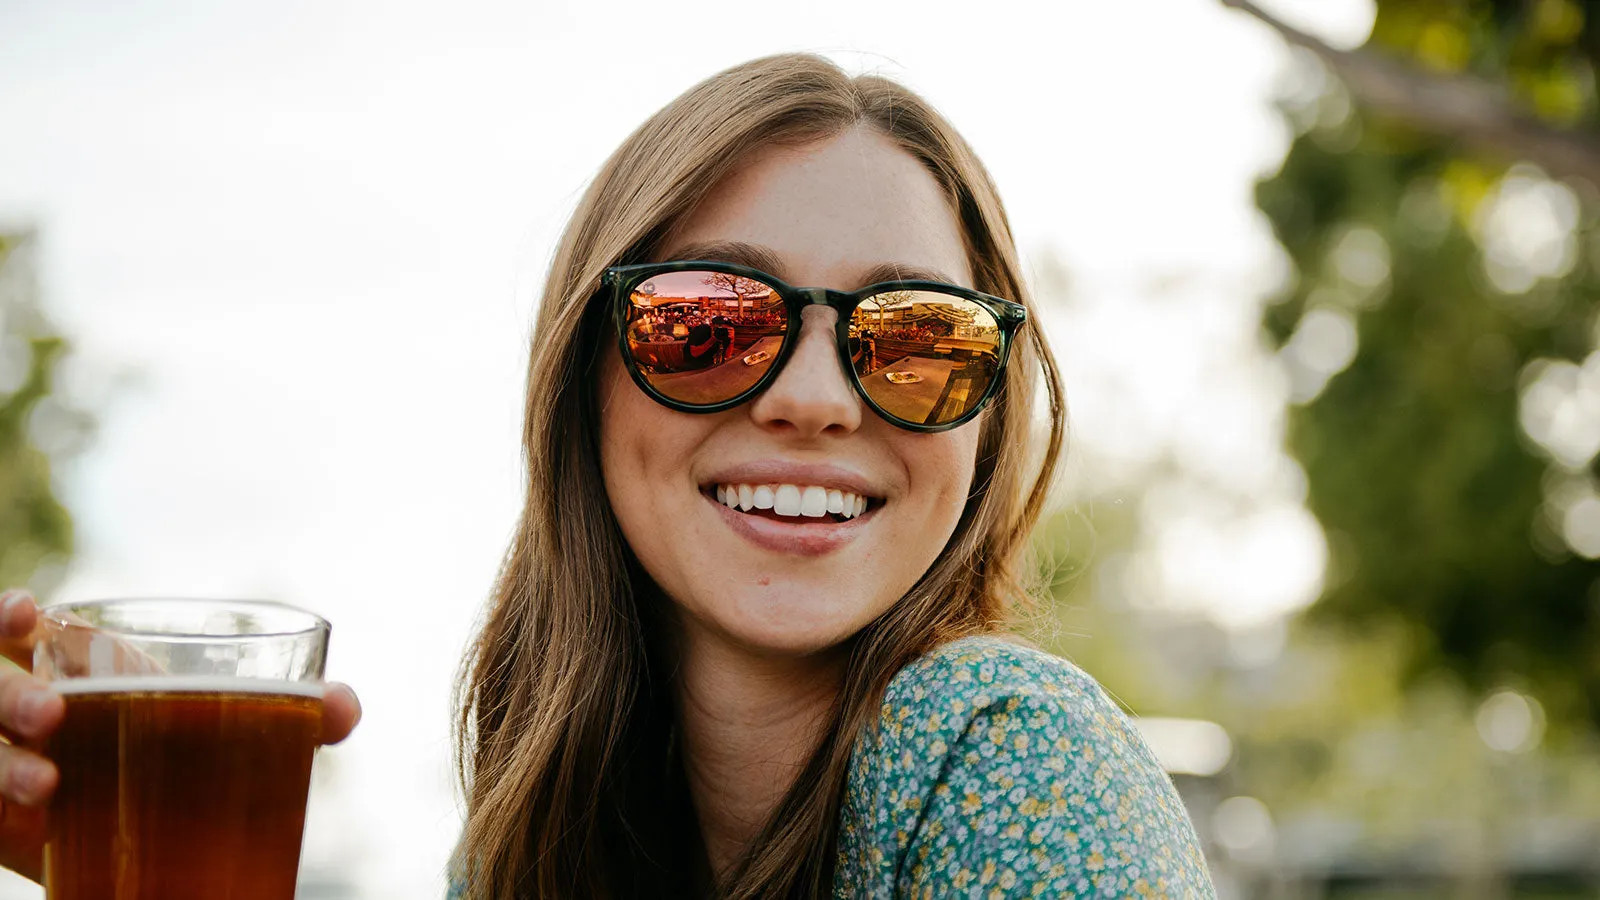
{"type": "Point", "coordinates": [1471, 110]}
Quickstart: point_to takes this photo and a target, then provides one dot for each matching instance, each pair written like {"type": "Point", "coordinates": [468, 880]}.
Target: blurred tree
{"type": "Point", "coordinates": [1439, 205]}
{"type": "Point", "coordinates": [35, 531]}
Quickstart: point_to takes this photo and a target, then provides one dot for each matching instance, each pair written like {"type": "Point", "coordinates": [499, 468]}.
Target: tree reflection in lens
{"type": "Point", "coordinates": [923, 356]}
{"type": "Point", "coordinates": [704, 337]}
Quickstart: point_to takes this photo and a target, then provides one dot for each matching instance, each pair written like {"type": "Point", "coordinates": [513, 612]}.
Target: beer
{"type": "Point", "coordinates": [180, 788]}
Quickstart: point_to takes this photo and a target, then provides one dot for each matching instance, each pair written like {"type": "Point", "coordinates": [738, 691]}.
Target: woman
{"type": "Point", "coordinates": [748, 640]}
{"type": "Point", "coordinates": [672, 697]}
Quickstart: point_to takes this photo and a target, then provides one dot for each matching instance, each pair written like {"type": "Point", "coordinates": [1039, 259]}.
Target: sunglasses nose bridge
{"type": "Point", "coordinates": [816, 296]}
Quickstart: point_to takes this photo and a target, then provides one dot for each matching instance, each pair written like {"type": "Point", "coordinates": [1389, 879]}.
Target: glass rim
{"type": "Point", "coordinates": [313, 622]}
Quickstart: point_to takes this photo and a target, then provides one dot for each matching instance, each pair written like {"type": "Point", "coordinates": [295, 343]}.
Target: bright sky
{"type": "Point", "coordinates": [305, 238]}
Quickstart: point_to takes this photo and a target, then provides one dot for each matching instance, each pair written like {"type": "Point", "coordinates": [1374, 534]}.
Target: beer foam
{"type": "Point", "coordinates": [186, 684]}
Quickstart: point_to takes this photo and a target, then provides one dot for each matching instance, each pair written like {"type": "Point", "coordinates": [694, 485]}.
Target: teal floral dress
{"type": "Point", "coordinates": [996, 771]}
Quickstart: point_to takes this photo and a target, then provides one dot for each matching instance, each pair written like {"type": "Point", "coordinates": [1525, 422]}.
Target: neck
{"type": "Point", "coordinates": [748, 724]}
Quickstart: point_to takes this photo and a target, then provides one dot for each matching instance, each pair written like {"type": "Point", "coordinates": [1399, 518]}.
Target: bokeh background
{"type": "Point", "coordinates": [1324, 276]}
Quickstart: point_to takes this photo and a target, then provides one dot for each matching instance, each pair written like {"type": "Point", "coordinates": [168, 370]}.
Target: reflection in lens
{"type": "Point", "coordinates": [924, 357]}
{"type": "Point", "coordinates": [704, 337]}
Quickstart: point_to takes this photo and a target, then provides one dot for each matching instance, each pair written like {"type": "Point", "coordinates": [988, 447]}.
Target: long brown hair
{"type": "Point", "coordinates": [564, 738]}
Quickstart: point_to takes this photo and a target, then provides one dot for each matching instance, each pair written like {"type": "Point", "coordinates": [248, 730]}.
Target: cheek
{"type": "Point", "coordinates": [629, 428]}
{"type": "Point", "coordinates": [944, 464]}
{"type": "Point", "coordinates": [940, 468]}
{"type": "Point", "coordinates": [645, 450]}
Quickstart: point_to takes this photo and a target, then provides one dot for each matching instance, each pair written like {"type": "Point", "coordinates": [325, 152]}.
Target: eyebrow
{"type": "Point", "coordinates": [756, 256]}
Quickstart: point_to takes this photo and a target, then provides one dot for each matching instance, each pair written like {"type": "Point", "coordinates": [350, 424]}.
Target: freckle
{"type": "Point", "coordinates": [764, 580]}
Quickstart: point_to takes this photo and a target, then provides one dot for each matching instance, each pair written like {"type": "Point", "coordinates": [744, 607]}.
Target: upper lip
{"type": "Point", "coordinates": [777, 471]}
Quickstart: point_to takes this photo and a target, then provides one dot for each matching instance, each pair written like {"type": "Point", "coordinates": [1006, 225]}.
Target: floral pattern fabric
{"type": "Point", "coordinates": [997, 771]}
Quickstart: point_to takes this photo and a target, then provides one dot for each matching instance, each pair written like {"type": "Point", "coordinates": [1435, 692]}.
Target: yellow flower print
{"type": "Point", "coordinates": [998, 771]}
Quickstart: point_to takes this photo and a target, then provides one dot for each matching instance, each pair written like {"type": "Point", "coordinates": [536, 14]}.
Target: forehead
{"type": "Point", "coordinates": [832, 211]}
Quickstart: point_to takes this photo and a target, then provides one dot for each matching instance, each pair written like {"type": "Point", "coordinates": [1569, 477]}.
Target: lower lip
{"type": "Point", "coordinates": [799, 539]}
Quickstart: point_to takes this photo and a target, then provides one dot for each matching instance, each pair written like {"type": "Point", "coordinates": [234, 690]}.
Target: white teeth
{"type": "Point", "coordinates": [811, 501]}
{"type": "Point", "coordinates": [786, 502]}
{"type": "Point", "coordinates": [814, 502]}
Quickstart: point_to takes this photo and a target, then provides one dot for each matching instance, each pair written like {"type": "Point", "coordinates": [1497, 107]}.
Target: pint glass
{"type": "Point", "coordinates": [185, 754]}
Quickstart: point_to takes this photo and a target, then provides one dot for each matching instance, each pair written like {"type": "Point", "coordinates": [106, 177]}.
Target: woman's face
{"type": "Point", "coordinates": [829, 214]}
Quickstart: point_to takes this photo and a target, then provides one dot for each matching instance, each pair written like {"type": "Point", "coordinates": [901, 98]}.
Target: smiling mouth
{"type": "Point", "coordinates": [797, 504]}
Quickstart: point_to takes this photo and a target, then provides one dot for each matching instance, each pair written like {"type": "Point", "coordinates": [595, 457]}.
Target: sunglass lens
{"type": "Point", "coordinates": [704, 337]}
{"type": "Point", "coordinates": [924, 357]}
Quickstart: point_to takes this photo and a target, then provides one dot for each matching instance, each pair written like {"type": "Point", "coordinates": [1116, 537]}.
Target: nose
{"type": "Point", "coordinates": [810, 397]}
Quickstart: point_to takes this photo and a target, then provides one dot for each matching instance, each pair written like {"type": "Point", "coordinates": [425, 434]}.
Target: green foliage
{"type": "Point", "coordinates": [35, 530]}
{"type": "Point", "coordinates": [1322, 728]}
{"type": "Point", "coordinates": [1435, 501]}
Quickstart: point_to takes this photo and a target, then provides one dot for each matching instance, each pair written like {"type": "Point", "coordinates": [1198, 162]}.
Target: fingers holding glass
{"type": "Point", "coordinates": [26, 778]}
{"type": "Point", "coordinates": [704, 337]}
{"type": "Point", "coordinates": [29, 709]}
{"type": "Point", "coordinates": [30, 712]}
{"type": "Point", "coordinates": [19, 615]}
{"type": "Point", "coordinates": [341, 711]}
{"type": "Point", "coordinates": [924, 357]}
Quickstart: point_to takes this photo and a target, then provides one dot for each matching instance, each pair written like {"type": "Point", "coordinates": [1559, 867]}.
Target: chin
{"type": "Point", "coordinates": [789, 622]}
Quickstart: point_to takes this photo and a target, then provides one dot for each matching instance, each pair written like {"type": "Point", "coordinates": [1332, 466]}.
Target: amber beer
{"type": "Point", "coordinates": [180, 788]}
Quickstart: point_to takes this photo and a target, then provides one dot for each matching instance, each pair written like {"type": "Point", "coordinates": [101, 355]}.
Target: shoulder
{"type": "Point", "coordinates": [992, 696]}
{"type": "Point", "coordinates": [995, 765]}
{"type": "Point", "coordinates": [1026, 692]}
{"type": "Point", "coordinates": [978, 672]}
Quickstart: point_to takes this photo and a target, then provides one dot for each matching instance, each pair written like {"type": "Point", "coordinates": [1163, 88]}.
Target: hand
{"type": "Point", "coordinates": [31, 711]}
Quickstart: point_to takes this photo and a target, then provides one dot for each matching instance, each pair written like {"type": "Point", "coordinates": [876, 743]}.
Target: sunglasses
{"type": "Point", "coordinates": [702, 337]}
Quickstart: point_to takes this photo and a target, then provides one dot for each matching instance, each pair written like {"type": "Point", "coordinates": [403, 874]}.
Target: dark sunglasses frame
{"type": "Point", "coordinates": [621, 281]}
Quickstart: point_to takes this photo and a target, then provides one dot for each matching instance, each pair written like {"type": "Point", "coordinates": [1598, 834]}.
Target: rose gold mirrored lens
{"type": "Point", "coordinates": [704, 337]}
{"type": "Point", "coordinates": [922, 356]}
